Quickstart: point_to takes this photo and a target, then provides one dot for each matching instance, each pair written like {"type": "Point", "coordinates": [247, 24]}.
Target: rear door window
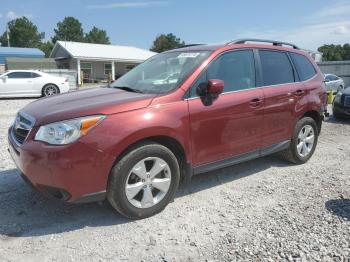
{"type": "Point", "coordinates": [304, 67]}
{"type": "Point", "coordinates": [276, 68]}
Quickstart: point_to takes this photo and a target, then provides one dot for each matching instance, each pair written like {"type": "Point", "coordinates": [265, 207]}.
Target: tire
{"type": "Point", "coordinates": [123, 176]}
{"type": "Point", "coordinates": [50, 90]}
{"type": "Point", "coordinates": [293, 154]}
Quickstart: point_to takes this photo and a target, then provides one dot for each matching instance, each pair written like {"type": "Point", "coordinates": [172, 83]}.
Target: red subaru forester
{"type": "Point", "coordinates": [182, 112]}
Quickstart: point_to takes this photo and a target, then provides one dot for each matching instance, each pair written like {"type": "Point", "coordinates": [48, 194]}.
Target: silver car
{"type": "Point", "coordinates": [334, 83]}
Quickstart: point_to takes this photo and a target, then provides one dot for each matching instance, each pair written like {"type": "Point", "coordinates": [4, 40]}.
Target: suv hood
{"type": "Point", "coordinates": [95, 101]}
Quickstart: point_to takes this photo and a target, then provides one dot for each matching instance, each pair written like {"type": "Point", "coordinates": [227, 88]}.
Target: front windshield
{"type": "Point", "coordinates": [161, 73]}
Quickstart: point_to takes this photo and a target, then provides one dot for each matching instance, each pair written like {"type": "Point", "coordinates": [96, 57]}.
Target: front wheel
{"type": "Point", "coordinates": [303, 142]}
{"type": "Point", "coordinates": [144, 181]}
{"type": "Point", "coordinates": [50, 90]}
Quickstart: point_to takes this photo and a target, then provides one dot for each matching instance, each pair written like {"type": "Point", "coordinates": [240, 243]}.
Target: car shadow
{"type": "Point", "coordinates": [19, 98]}
{"type": "Point", "coordinates": [333, 120]}
{"type": "Point", "coordinates": [26, 213]}
{"type": "Point", "coordinates": [339, 207]}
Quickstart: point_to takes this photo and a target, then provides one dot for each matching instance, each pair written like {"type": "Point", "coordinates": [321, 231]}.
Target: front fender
{"type": "Point", "coordinates": [117, 132]}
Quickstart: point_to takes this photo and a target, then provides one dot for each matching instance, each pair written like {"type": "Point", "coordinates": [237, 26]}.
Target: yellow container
{"type": "Point", "coordinates": [330, 97]}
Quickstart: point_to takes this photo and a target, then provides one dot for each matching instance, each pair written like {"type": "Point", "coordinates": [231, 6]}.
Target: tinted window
{"type": "Point", "coordinates": [35, 75]}
{"type": "Point", "coordinates": [304, 67]}
{"type": "Point", "coordinates": [276, 68]}
{"type": "Point", "coordinates": [236, 69]}
{"type": "Point", "coordinates": [332, 78]}
{"type": "Point", "coordinates": [19, 75]}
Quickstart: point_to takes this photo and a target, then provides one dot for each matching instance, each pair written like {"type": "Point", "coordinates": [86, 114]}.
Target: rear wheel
{"type": "Point", "coordinates": [50, 90]}
{"type": "Point", "coordinates": [303, 142]}
{"type": "Point", "coordinates": [144, 181]}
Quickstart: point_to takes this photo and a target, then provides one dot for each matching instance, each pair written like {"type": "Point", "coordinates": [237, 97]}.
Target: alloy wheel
{"type": "Point", "coordinates": [50, 90]}
{"type": "Point", "coordinates": [148, 182]}
{"type": "Point", "coordinates": [306, 140]}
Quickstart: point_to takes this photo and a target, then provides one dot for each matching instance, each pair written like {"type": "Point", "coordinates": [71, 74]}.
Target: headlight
{"type": "Point", "coordinates": [66, 132]}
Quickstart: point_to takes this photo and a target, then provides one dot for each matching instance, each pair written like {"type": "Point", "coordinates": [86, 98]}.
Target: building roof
{"type": "Point", "coordinates": [6, 52]}
{"type": "Point", "coordinates": [101, 52]}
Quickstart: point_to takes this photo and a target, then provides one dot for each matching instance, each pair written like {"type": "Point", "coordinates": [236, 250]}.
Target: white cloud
{"type": "Point", "coordinates": [128, 5]}
{"type": "Point", "coordinates": [339, 10]}
{"type": "Point", "coordinates": [342, 30]}
{"type": "Point", "coordinates": [13, 15]}
{"type": "Point", "coordinates": [325, 26]}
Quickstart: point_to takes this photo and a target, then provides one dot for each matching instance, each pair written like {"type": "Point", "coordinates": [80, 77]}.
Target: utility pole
{"type": "Point", "coordinates": [8, 36]}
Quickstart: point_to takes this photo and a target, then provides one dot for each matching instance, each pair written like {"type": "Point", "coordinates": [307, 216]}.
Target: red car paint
{"type": "Point", "coordinates": [236, 123]}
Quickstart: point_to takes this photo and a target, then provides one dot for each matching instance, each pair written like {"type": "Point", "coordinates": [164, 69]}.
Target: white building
{"type": "Point", "coordinates": [98, 62]}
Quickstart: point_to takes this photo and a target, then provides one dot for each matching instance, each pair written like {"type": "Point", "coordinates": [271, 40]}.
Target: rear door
{"type": "Point", "coordinates": [281, 91]}
{"type": "Point", "coordinates": [231, 126]}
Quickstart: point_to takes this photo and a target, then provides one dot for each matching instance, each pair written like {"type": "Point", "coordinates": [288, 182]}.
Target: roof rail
{"type": "Point", "coordinates": [190, 45]}
{"type": "Point", "coordinates": [276, 43]}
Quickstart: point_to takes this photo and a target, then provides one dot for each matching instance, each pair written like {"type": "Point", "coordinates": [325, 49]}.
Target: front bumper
{"type": "Point", "coordinates": [340, 109]}
{"type": "Point", "coordinates": [73, 173]}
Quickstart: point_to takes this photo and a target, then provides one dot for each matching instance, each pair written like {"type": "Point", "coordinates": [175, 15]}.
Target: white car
{"type": "Point", "coordinates": [30, 83]}
{"type": "Point", "coordinates": [334, 83]}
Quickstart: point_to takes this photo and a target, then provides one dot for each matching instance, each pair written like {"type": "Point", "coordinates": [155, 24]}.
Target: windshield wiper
{"type": "Point", "coordinates": [129, 89]}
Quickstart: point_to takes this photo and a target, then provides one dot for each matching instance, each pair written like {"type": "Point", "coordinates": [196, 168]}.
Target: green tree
{"type": "Point", "coordinates": [97, 36]}
{"type": "Point", "coordinates": [332, 52]}
{"type": "Point", "coordinates": [22, 33]}
{"type": "Point", "coordinates": [166, 42]}
{"type": "Point", "coordinates": [69, 29]}
{"type": "Point", "coordinates": [46, 47]}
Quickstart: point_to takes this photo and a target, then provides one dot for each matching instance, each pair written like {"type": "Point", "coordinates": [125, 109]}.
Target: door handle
{"type": "Point", "coordinates": [299, 92]}
{"type": "Point", "coordinates": [256, 102]}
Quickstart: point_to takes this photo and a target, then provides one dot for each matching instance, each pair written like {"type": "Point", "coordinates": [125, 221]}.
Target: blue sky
{"type": "Point", "coordinates": [308, 24]}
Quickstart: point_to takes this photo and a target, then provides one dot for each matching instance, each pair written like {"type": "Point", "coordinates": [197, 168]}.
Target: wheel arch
{"type": "Point", "coordinates": [315, 115]}
{"type": "Point", "coordinates": [169, 142]}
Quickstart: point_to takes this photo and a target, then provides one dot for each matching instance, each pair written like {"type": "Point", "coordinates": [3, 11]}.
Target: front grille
{"type": "Point", "coordinates": [20, 134]}
{"type": "Point", "coordinates": [21, 128]}
{"type": "Point", "coordinates": [347, 101]}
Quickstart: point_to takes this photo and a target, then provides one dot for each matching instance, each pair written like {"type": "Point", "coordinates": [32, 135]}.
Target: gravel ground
{"type": "Point", "coordinates": [264, 209]}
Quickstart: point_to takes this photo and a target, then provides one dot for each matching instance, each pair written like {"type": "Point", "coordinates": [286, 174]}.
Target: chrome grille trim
{"type": "Point", "coordinates": [21, 127]}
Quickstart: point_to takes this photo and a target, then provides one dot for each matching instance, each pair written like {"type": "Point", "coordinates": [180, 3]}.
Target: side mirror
{"type": "Point", "coordinates": [215, 87]}
{"type": "Point", "coordinates": [209, 91]}
{"type": "Point", "coordinates": [4, 78]}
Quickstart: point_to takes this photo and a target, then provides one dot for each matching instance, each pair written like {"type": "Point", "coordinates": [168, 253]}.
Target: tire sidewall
{"type": "Point", "coordinates": [119, 175]}
{"type": "Point", "coordinates": [301, 124]}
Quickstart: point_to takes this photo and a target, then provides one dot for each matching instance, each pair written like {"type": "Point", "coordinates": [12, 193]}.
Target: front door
{"type": "Point", "coordinates": [231, 126]}
{"type": "Point", "coordinates": [17, 83]}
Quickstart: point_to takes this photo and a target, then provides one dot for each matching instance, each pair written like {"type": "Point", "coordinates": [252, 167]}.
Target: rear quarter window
{"type": "Point", "coordinates": [303, 66]}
